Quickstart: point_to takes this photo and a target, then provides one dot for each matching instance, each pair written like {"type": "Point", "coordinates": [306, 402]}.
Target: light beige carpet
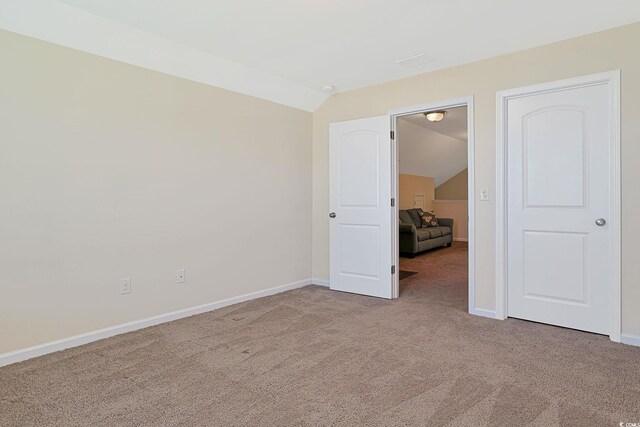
{"type": "Point", "coordinates": [316, 357]}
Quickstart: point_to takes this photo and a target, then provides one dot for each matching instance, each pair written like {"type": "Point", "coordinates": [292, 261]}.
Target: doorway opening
{"type": "Point", "coordinates": [433, 186]}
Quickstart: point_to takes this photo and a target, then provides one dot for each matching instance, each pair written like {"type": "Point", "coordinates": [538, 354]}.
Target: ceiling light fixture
{"type": "Point", "coordinates": [435, 116]}
{"type": "Point", "coordinates": [328, 89]}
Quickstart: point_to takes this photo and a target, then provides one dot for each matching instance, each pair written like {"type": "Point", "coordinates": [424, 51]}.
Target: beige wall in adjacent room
{"type": "Point", "coordinates": [455, 188]}
{"type": "Point", "coordinates": [458, 211]}
{"type": "Point", "coordinates": [409, 185]}
{"type": "Point", "coordinates": [605, 51]}
{"type": "Point", "coordinates": [110, 171]}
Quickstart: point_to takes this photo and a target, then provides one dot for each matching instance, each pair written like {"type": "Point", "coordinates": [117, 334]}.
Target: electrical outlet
{"type": "Point", "coordinates": [180, 276]}
{"type": "Point", "coordinates": [484, 194]}
{"type": "Point", "coordinates": [125, 286]}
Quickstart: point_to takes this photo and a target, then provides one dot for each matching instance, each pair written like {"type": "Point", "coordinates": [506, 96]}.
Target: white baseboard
{"type": "Point", "coordinates": [630, 339]}
{"type": "Point", "coordinates": [320, 282]}
{"type": "Point", "coordinates": [460, 239]}
{"type": "Point", "coordinates": [483, 313]}
{"type": "Point", "coordinates": [77, 340]}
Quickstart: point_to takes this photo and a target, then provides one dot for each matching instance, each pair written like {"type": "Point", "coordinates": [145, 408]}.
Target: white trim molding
{"type": "Point", "coordinates": [630, 339]}
{"type": "Point", "coordinates": [466, 101]}
{"type": "Point", "coordinates": [482, 312]}
{"type": "Point", "coordinates": [77, 340]}
{"type": "Point", "coordinates": [451, 202]}
{"type": "Point", "coordinates": [612, 78]}
{"type": "Point", "coordinates": [320, 282]}
{"type": "Point", "coordinates": [68, 26]}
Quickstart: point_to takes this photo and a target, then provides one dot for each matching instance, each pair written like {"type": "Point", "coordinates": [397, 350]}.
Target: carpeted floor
{"type": "Point", "coordinates": [316, 357]}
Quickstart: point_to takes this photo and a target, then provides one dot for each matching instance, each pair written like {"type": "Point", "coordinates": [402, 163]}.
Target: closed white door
{"type": "Point", "coordinates": [559, 207]}
{"type": "Point", "coordinates": [360, 206]}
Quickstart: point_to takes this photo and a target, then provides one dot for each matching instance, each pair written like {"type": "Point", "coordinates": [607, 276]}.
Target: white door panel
{"type": "Point", "coordinates": [551, 257]}
{"type": "Point", "coordinates": [558, 176]}
{"type": "Point", "coordinates": [546, 162]}
{"type": "Point", "coordinates": [360, 194]}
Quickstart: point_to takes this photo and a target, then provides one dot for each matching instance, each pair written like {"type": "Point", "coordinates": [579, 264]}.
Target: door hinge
{"type": "Point", "coordinates": [393, 135]}
{"type": "Point", "coordinates": [393, 269]}
{"type": "Point", "coordinates": [393, 202]}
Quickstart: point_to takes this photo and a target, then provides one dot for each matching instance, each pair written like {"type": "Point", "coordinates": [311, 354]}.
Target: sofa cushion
{"type": "Point", "coordinates": [423, 234]}
{"type": "Point", "coordinates": [415, 216]}
{"type": "Point", "coordinates": [435, 232]}
{"type": "Point", "coordinates": [404, 217]}
{"type": "Point", "coordinates": [444, 231]}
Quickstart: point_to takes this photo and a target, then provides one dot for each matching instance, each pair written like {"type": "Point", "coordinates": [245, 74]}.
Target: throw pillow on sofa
{"type": "Point", "coordinates": [429, 219]}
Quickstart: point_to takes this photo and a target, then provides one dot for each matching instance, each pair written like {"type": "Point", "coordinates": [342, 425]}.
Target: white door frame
{"type": "Point", "coordinates": [611, 78]}
{"type": "Point", "coordinates": [441, 105]}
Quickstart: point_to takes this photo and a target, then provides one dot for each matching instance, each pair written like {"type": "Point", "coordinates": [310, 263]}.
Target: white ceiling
{"type": "Point", "coordinates": [298, 46]}
{"type": "Point", "coordinates": [433, 149]}
{"type": "Point", "coordinates": [454, 123]}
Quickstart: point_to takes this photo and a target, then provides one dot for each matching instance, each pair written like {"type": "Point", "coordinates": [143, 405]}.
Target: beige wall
{"type": "Point", "coordinates": [408, 185]}
{"type": "Point", "coordinates": [458, 211]}
{"type": "Point", "coordinates": [455, 188]}
{"type": "Point", "coordinates": [110, 171]}
{"type": "Point", "coordinates": [613, 49]}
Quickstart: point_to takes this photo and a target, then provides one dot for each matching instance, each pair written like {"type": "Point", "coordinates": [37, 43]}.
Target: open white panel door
{"type": "Point", "coordinates": [360, 206]}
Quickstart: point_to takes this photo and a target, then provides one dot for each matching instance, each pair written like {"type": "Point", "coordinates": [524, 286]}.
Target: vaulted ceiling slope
{"type": "Point", "coordinates": [432, 149]}
{"type": "Point", "coordinates": [287, 50]}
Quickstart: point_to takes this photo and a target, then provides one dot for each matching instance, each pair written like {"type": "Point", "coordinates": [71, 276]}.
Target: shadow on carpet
{"type": "Point", "coordinates": [404, 274]}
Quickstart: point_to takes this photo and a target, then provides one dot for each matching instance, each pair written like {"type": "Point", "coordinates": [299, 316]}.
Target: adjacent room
{"type": "Point", "coordinates": [281, 213]}
{"type": "Point", "coordinates": [433, 211]}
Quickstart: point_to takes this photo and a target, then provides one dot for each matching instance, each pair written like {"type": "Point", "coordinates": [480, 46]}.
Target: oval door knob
{"type": "Point", "coordinates": [332, 215]}
{"type": "Point", "coordinates": [600, 222]}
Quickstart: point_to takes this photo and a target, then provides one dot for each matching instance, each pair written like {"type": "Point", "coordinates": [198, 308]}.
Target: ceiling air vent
{"type": "Point", "coordinates": [415, 60]}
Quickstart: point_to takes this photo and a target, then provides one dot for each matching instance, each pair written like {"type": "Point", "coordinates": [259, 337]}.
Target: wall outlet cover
{"type": "Point", "coordinates": [180, 276]}
{"type": "Point", "coordinates": [125, 286]}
